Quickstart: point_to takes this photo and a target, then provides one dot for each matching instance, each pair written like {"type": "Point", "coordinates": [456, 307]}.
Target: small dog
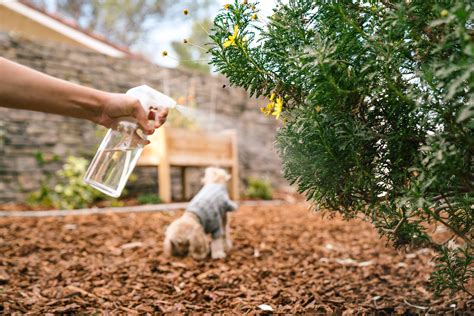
{"type": "Point", "coordinates": [205, 214]}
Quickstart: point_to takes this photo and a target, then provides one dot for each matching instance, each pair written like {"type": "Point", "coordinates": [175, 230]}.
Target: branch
{"type": "Point", "coordinates": [453, 229]}
{"type": "Point", "coordinates": [397, 228]}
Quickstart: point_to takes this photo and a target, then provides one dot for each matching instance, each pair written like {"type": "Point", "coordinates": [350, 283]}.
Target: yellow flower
{"type": "Point", "coordinates": [278, 108]}
{"type": "Point", "coordinates": [227, 6]}
{"type": "Point", "coordinates": [444, 13]}
{"type": "Point", "coordinates": [185, 11]}
{"type": "Point", "coordinates": [231, 40]}
{"type": "Point", "coordinates": [274, 107]}
{"type": "Point", "coordinates": [164, 53]}
{"type": "Point", "coordinates": [254, 16]}
{"type": "Point", "coordinates": [267, 110]}
{"type": "Point", "coordinates": [318, 109]}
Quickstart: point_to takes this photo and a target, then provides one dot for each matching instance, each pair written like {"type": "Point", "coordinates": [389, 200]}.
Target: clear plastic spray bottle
{"type": "Point", "coordinates": [122, 145]}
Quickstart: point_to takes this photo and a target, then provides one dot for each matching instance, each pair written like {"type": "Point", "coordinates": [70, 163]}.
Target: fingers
{"type": "Point", "coordinates": [160, 118]}
{"type": "Point", "coordinates": [142, 118]}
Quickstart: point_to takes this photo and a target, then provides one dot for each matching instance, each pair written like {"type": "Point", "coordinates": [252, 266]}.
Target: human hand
{"type": "Point", "coordinates": [117, 105]}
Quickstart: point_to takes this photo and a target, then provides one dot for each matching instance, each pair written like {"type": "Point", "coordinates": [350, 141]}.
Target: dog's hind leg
{"type": "Point", "coordinates": [228, 240]}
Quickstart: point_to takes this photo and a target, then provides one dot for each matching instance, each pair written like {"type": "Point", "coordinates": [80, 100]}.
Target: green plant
{"type": "Point", "coordinates": [116, 203]}
{"type": "Point", "coordinates": [41, 196]}
{"type": "Point", "coordinates": [259, 189]}
{"type": "Point", "coordinates": [149, 198]}
{"type": "Point", "coordinates": [376, 101]}
{"type": "Point", "coordinates": [41, 160]}
{"type": "Point", "coordinates": [70, 191]}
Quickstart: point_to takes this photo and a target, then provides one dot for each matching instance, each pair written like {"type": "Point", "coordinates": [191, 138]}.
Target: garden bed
{"type": "Point", "coordinates": [284, 256]}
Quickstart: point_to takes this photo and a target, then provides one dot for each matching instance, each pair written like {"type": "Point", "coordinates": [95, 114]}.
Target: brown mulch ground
{"type": "Point", "coordinates": [285, 257]}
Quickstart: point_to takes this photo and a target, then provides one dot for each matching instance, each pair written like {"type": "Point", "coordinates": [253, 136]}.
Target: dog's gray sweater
{"type": "Point", "coordinates": [210, 205]}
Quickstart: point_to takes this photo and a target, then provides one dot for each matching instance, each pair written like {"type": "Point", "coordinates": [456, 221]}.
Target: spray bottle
{"type": "Point", "coordinates": [122, 145]}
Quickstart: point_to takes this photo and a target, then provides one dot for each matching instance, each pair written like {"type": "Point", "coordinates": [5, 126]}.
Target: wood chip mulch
{"type": "Point", "coordinates": [285, 259]}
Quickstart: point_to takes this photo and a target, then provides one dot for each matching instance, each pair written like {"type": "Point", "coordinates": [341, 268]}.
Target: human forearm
{"type": "Point", "coordinates": [24, 88]}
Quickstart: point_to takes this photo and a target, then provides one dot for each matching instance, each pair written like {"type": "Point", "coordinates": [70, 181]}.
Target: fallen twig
{"type": "Point", "coordinates": [415, 306]}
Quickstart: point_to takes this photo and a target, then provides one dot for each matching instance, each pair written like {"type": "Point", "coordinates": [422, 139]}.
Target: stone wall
{"type": "Point", "coordinates": [24, 135]}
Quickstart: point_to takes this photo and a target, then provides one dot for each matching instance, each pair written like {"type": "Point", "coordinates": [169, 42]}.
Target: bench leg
{"type": "Point", "coordinates": [235, 194]}
{"type": "Point", "coordinates": [164, 180]}
{"type": "Point", "coordinates": [183, 183]}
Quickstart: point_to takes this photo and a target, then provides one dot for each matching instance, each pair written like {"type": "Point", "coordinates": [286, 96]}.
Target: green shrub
{"type": "Point", "coordinates": [376, 101]}
{"type": "Point", "coordinates": [149, 198]}
{"type": "Point", "coordinates": [70, 191]}
{"type": "Point", "coordinates": [42, 196]}
{"type": "Point", "coordinates": [259, 189]}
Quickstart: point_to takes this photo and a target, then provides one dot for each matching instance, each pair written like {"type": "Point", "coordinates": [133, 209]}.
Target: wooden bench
{"type": "Point", "coordinates": [175, 147]}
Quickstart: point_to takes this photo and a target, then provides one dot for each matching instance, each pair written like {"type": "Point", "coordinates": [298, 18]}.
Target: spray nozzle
{"type": "Point", "coordinates": [151, 98]}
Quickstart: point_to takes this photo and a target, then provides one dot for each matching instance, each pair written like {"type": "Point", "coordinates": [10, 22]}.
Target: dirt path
{"type": "Point", "coordinates": [285, 257]}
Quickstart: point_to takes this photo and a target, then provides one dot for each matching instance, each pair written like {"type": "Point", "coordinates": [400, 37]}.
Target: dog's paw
{"type": "Point", "coordinates": [218, 255]}
{"type": "Point", "coordinates": [228, 244]}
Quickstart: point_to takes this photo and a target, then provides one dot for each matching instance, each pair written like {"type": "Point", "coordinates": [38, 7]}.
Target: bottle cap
{"type": "Point", "coordinates": [150, 98]}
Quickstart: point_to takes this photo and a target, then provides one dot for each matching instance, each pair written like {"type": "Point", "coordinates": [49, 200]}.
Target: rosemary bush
{"type": "Point", "coordinates": [376, 101]}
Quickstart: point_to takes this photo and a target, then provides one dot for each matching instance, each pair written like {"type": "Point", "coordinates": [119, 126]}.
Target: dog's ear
{"type": "Point", "coordinates": [199, 246]}
{"type": "Point", "coordinates": [180, 248]}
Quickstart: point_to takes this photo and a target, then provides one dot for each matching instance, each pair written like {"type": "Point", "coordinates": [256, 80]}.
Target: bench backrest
{"type": "Point", "coordinates": [182, 147]}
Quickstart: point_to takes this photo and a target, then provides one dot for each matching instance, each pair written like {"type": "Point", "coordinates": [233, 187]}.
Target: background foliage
{"type": "Point", "coordinates": [69, 191]}
{"type": "Point", "coordinates": [378, 112]}
{"type": "Point", "coordinates": [190, 52]}
{"type": "Point", "coordinates": [148, 198]}
{"type": "Point", "coordinates": [259, 189]}
{"type": "Point", "coordinates": [125, 22]}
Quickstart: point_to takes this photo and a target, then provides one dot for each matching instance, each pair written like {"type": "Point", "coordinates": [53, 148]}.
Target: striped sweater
{"type": "Point", "coordinates": [211, 205]}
